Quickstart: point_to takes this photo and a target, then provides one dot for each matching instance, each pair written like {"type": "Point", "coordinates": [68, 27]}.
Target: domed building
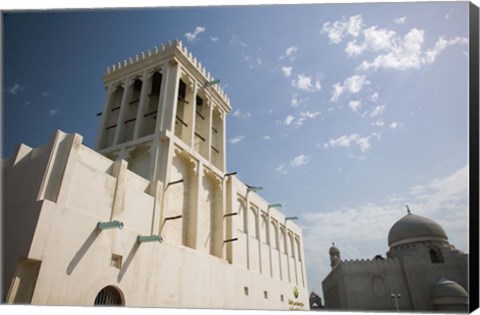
{"type": "Point", "coordinates": [422, 272]}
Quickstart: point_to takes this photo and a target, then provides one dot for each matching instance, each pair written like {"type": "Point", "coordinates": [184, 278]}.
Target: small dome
{"type": "Point", "coordinates": [445, 288]}
{"type": "Point", "coordinates": [334, 249]}
{"type": "Point", "coordinates": [415, 228]}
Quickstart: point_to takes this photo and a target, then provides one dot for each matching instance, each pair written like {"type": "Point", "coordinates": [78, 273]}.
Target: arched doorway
{"type": "Point", "coordinates": [109, 296]}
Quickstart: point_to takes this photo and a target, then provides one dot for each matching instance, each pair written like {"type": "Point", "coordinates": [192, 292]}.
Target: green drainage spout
{"type": "Point", "coordinates": [151, 238]}
{"type": "Point", "coordinates": [110, 225]}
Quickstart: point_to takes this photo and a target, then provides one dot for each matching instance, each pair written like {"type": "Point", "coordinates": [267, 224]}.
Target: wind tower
{"type": "Point", "coordinates": [164, 115]}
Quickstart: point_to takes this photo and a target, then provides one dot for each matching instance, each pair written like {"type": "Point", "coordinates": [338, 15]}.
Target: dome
{"type": "Point", "coordinates": [415, 228]}
{"type": "Point", "coordinates": [445, 288]}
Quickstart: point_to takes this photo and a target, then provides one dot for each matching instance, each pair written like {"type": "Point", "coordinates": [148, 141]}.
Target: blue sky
{"type": "Point", "coordinates": [344, 113]}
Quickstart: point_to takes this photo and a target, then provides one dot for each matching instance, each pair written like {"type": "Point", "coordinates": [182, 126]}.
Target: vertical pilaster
{"type": "Point", "coordinates": [208, 134]}
{"type": "Point", "coordinates": [146, 86]}
{"type": "Point", "coordinates": [193, 114]}
{"type": "Point", "coordinates": [119, 131]}
{"type": "Point", "coordinates": [222, 141]}
{"type": "Point", "coordinates": [103, 122]}
{"type": "Point", "coordinates": [269, 241]}
{"type": "Point", "coordinates": [167, 105]}
{"type": "Point", "coordinates": [198, 196]}
{"type": "Point", "coordinates": [247, 225]}
{"type": "Point", "coordinates": [259, 240]}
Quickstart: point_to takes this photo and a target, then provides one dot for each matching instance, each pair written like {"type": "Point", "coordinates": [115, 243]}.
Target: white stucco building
{"type": "Point", "coordinates": [422, 272]}
{"type": "Point", "coordinates": [152, 218]}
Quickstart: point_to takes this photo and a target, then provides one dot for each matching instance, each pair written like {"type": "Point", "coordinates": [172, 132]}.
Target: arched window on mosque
{"type": "Point", "coordinates": [435, 256]}
{"type": "Point", "coordinates": [109, 296]}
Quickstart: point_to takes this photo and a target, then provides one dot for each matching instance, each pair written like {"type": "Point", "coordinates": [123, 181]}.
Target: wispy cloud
{"type": "Point", "coordinates": [392, 50]}
{"type": "Point", "coordinates": [288, 120]}
{"type": "Point", "coordinates": [290, 53]}
{"type": "Point", "coordinates": [238, 113]}
{"type": "Point", "coordinates": [299, 160]}
{"type": "Point", "coordinates": [214, 38]}
{"type": "Point", "coordinates": [353, 85]}
{"type": "Point", "coordinates": [304, 116]}
{"type": "Point", "coordinates": [53, 112]}
{"type": "Point", "coordinates": [355, 105]}
{"type": "Point", "coordinates": [46, 94]}
{"type": "Point", "coordinates": [395, 125]}
{"type": "Point", "coordinates": [306, 83]}
{"type": "Point", "coordinates": [15, 89]}
{"type": "Point", "coordinates": [193, 35]}
{"type": "Point", "coordinates": [378, 123]}
{"type": "Point", "coordinates": [338, 29]}
{"type": "Point", "coordinates": [374, 97]}
{"type": "Point", "coordinates": [377, 111]}
{"type": "Point", "coordinates": [236, 41]}
{"type": "Point", "coordinates": [236, 139]}
{"type": "Point", "coordinates": [287, 71]}
{"type": "Point", "coordinates": [400, 20]}
{"type": "Point", "coordinates": [348, 140]}
{"type": "Point", "coordinates": [267, 138]}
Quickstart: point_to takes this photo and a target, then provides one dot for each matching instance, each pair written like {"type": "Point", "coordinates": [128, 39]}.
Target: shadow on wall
{"type": "Point", "coordinates": [82, 251]}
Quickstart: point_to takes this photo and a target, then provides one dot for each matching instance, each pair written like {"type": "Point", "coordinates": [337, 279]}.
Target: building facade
{"type": "Point", "coordinates": [422, 272]}
{"type": "Point", "coordinates": [151, 218]}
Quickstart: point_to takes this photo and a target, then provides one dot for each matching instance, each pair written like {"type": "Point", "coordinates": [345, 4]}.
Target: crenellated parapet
{"type": "Point", "coordinates": [171, 48]}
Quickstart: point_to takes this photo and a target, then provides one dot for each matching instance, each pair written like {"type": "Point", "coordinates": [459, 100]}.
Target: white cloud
{"type": "Point", "coordinates": [287, 71]}
{"type": "Point", "coordinates": [440, 45]}
{"type": "Point", "coordinates": [236, 41]}
{"type": "Point", "coordinates": [395, 125]}
{"type": "Point", "coordinates": [238, 113]}
{"type": "Point", "coordinates": [53, 112]}
{"type": "Point", "coordinates": [353, 84]}
{"type": "Point", "coordinates": [282, 169]}
{"type": "Point", "coordinates": [15, 89]}
{"type": "Point", "coordinates": [377, 111]}
{"type": "Point", "coordinates": [214, 38]}
{"type": "Point", "coordinates": [355, 105]}
{"type": "Point", "coordinates": [267, 138]}
{"type": "Point", "coordinates": [299, 161]}
{"type": "Point", "coordinates": [339, 29]}
{"type": "Point", "coordinates": [378, 123]}
{"type": "Point", "coordinates": [354, 139]}
{"type": "Point", "coordinates": [289, 120]}
{"type": "Point", "coordinates": [399, 53]}
{"type": "Point", "coordinates": [308, 114]}
{"type": "Point", "coordinates": [306, 83]}
{"type": "Point", "coordinates": [46, 94]}
{"type": "Point", "coordinates": [304, 116]}
{"type": "Point", "coordinates": [236, 139]}
{"type": "Point", "coordinates": [291, 50]}
{"type": "Point", "coordinates": [353, 49]}
{"type": "Point", "coordinates": [400, 20]}
{"type": "Point", "coordinates": [193, 36]}
{"type": "Point", "coordinates": [374, 97]}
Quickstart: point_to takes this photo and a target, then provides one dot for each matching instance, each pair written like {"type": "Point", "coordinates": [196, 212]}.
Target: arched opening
{"type": "Point", "coordinates": [435, 256]}
{"type": "Point", "coordinates": [109, 296]}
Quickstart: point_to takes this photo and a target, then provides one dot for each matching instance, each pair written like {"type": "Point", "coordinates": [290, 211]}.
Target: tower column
{"type": "Point", "coordinates": [119, 132]}
{"type": "Point", "coordinates": [192, 113]}
{"type": "Point", "coordinates": [103, 123]}
{"type": "Point", "coordinates": [208, 134]}
{"type": "Point", "coordinates": [146, 86]}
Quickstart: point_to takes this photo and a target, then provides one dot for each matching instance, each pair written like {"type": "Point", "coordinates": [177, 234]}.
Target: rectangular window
{"type": "Point", "coordinates": [182, 90]}
{"type": "Point", "coordinates": [116, 261]}
{"type": "Point", "coordinates": [245, 290]}
{"type": "Point", "coordinates": [265, 294]}
{"type": "Point", "coordinates": [199, 101]}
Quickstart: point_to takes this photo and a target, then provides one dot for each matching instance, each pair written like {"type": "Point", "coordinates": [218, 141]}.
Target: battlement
{"type": "Point", "coordinates": [175, 46]}
{"type": "Point", "coordinates": [373, 262]}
